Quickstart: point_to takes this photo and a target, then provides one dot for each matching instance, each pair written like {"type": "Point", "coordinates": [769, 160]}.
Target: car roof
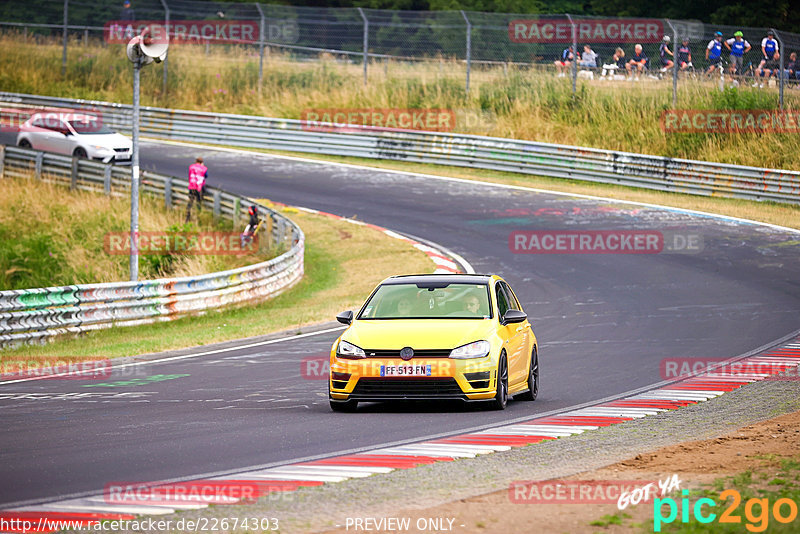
{"type": "Point", "coordinates": [447, 278]}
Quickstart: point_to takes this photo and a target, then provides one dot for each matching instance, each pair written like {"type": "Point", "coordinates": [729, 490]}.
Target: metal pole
{"type": "Point", "coordinates": [135, 176]}
{"type": "Point", "coordinates": [366, 42]}
{"type": "Point", "coordinates": [166, 59]}
{"type": "Point", "coordinates": [260, 46]}
{"type": "Point", "coordinates": [780, 66]}
{"type": "Point", "coordinates": [574, 54]}
{"type": "Point", "coordinates": [675, 41]}
{"type": "Point", "coordinates": [469, 46]}
{"type": "Point", "coordinates": [64, 50]}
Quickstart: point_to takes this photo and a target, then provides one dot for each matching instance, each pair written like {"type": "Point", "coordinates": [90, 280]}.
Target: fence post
{"type": "Point", "coordinates": [469, 46]}
{"type": "Point", "coordinates": [366, 41]}
{"type": "Point", "coordinates": [574, 54]}
{"type": "Point", "coordinates": [73, 179]}
{"type": "Point", "coordinates": [2, 161]}
{"type": "Point", "coordinates": [260, 47]}
{"type": "Point", "coordinates": [782, 51]}
{"type": "Point", "coordinates": [64, 44]}
{"type": "Point", "coordinates": [237, 208]}
{"type": "Point", "coordinates": [168, 192]}
{"type": "Point", "coordinates": [166, 59]}
{"type": "Point", "coordinates": [107, 179]}
{"type": "Point", "coordinates": [217, 203]}
{"type": "Point", "coordinates": [675, 65]}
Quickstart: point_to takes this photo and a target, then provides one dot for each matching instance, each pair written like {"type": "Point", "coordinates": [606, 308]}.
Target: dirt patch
{"type": "Point", "coordinates": [758, 447]}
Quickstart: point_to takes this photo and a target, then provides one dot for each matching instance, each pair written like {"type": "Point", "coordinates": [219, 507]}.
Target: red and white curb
{"type": "Point", "coordinates": [445, 260]}
{"type": "Point", "coordinates": [770, 363]}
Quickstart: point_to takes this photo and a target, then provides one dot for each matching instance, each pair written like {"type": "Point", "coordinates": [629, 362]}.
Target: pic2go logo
{"type": "Point", "coordinates": [756, 511]}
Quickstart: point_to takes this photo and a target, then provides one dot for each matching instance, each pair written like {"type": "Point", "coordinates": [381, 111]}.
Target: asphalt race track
{"type": "Point", "coordinates": [605, 322]}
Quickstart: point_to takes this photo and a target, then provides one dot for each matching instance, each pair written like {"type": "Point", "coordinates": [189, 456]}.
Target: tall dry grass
{"type": "Point", "coordinates": [507, 102]}
{"type": "Point", "coordinates": [50, 236]}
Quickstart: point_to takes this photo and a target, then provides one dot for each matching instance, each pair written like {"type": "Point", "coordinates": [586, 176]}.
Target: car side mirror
{"type": "Point", "coordinates": [346, 317]}
{"type": "Point", "coordinates": [514, 316]}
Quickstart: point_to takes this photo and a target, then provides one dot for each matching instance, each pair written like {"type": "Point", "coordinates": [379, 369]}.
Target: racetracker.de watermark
{"type": "Point", "coordinates": [604, 242]}
{"type": "Point", "coordinates": [185, 31]}
{"type": "Point", "coordinates": [577, 491]}
{"type": "Point", "coordinates": [61, 368]}
{"type": "Point", "coordinates": [188, 243]}
{"type": "Point", "coordinates": [730, 121]}
{"type": "Point", "coordinates": [769, 368]}
{"type": "Point", "coordinates": [588, 30]}
{"type": "Point", "coordinates": [12, 120]}
{"type": "Point", "coordinates": [219, 492]}
{"type": "Point", "coordinates": [339, 119]}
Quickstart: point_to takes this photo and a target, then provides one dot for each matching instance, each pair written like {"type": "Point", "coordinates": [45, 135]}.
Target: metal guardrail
{"type": "Point", "coordinates": [32, 315]}
{"type": "Point", "coordinates": [527, 157]}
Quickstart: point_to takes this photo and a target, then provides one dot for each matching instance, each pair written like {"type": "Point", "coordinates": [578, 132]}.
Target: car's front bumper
{"type": "Point", "coordinates": [362, 380]}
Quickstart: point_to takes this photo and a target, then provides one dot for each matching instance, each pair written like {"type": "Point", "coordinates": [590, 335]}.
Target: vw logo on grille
{"type": "Point", "coordinates": [406, 353]}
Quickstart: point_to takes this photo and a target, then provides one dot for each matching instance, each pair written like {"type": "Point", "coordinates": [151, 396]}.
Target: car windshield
{"type": "Point", "coordinates": [428, 301]}
{"type": "Point", "coordinates": [89, 127]}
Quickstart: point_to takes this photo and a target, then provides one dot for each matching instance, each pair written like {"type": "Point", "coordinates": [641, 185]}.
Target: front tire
{"type": "Point", "coordinates": [347, 406]}
{"type": "Point", "coordinates": [500, 400]}
{"type": "Point", "coordinates": [24, 143]}
{"type": "Point", "coordinates": [79, 153]}
{"type": "Point", "coordinates": [533, 379]}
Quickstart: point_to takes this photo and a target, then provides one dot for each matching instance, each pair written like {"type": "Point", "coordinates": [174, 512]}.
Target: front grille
{"type": "Point", "coordinates": [120, 150]}
{"type": "Point", "coordinates": [404, 388]}
{"type": "Point", "coordinates": [421, 353]}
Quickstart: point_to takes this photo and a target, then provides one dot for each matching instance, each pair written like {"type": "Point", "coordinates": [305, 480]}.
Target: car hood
{"type": "Point", "coordinates": [394, 334]}
{"type": "Point", "coordinates": [112, 140]}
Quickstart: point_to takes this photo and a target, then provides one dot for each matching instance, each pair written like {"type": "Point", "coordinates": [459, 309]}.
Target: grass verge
{"type": "Point", "coordinates": [333, 282]}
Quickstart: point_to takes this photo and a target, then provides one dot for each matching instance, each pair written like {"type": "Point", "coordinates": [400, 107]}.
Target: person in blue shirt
{"type": "Point", "coordinates": [769, 46]}
{"type": "Point", "coordinates": [738, 47]}
{"type": "Point", "coordinates": [565, 61]}
{"type": "Point", "coordinates": [714, 52]}
{"type": "Point", "coordinates": [664, 51]}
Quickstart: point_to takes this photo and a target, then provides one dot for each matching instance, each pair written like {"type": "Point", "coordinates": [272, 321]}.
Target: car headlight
{"type": "Point", "coordinates": [100, 147]}
{"type": "Point", "coordinates": [476, 349]}
{"type": "Point", "coordinates": [349, 351]}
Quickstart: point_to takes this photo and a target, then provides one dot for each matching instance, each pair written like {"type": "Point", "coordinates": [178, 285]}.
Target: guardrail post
{"type": "Point", "coordinates": [168, 192]}
{"type": "Point", "coordinates": [73, 179]}
{"type": "Point", "coordinates": [64, 43]}
{"type": "Point", "coordinates": [217, 203]}
{"type": "Point", "coordinates": [366, 41]}
{"type": "Point", "coordinates": [37, 169]}
{"type": "Point", "coordinates": [469, 46]}
{"type": "Point", "coordinates": [107, 179]}
{"type": "Point", "coordinates": [237, 207]}
{"type": "Point", "coordinates": [2, 160]}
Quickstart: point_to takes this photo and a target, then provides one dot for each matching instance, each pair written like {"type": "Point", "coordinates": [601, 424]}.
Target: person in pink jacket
{"type": "Point", "coordinates": [198, 173]}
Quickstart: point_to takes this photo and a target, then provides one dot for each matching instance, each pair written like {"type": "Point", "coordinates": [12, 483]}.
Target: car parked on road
{"type": "Point", "coordinates": [435, 336]}
{"type": "Point", "coordinates": [75, 134]}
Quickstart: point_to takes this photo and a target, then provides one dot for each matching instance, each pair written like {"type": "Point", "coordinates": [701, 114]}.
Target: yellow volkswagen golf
{"type": "Point", "coordinates": [435, 336]}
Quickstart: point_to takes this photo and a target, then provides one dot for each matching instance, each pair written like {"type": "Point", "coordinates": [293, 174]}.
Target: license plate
{"type": "Point", "coordinates": [405, 370]}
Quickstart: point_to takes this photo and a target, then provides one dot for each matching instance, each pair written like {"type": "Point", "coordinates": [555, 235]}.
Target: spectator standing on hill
{"type": "Point", "coordinates": [663, 52]}
{"type": "Point", "coordinates": [769, 46]}
{"type": "Point", "coordinates": [684, 54]}
{"type": "Point", "coordinates": [588, 58]}
{"type": "Point", "coordinates": [565, 61]}
{"type": "Point", "coordinates": [714, 52]}
{"type": "Point", "coordinates": [198, 173]}
{"type": "Point", "coordinates": [638, 61]}
{"type": "Point", "coordinates": [127, 16]}
{"type": "Point", "coordinates": [738, 47]}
